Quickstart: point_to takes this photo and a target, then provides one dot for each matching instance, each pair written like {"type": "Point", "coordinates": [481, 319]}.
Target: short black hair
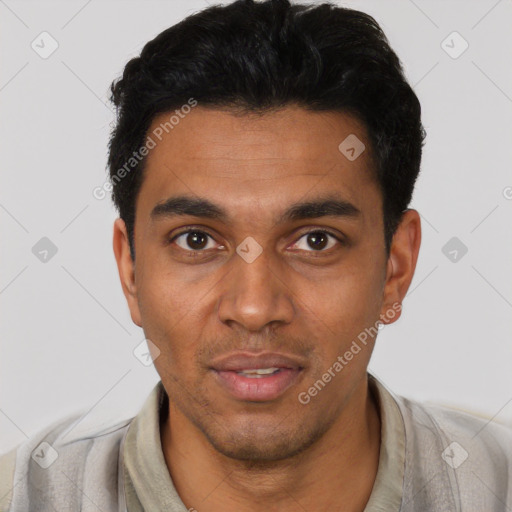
{"type": "Point", "coordinates": [262, 56]}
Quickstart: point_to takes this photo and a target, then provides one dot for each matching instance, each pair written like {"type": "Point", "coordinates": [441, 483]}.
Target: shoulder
{"type": "Point", "coordinates": [487, 439]}
{"type": "Point", "coordinates": [455, 457]}
{"type": "Point", "coordinates": [65, 456]}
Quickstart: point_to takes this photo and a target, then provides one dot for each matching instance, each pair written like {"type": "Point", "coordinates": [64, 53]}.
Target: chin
{"type": "Point", "coordinates": [263, 445]}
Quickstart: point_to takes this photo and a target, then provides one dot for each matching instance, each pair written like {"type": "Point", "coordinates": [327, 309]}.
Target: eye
{"type": "Point", "coordinates": [317, 240]}
{"type": "Point", "coordinates": [193, 240]}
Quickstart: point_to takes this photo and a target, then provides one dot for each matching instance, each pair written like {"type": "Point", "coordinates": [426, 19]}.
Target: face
{"type": "Point", "coordinates": [260, 245]}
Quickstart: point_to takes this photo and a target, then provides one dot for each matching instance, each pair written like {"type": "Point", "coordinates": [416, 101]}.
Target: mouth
{"type": "Point", "coordinates": [260, 372]}
{"type": "Point", "coordinates": [257, 378]}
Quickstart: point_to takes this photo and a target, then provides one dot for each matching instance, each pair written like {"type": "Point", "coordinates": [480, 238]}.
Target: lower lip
{"type": "Point", "coordinates": [258, 389]}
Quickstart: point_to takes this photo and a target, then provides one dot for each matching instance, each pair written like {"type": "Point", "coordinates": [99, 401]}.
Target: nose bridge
{"type": "Point", "coordinates": [254, 293]}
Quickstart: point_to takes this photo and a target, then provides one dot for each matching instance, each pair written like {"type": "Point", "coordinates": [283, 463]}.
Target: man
{"type": "Point", "coordinates": [262, 163]}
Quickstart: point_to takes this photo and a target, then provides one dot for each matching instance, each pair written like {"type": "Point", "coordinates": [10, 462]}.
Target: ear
{"type": "Point", "coordinates": [126, 268]}
{"type": "Point", "coordinates": [401, 265]}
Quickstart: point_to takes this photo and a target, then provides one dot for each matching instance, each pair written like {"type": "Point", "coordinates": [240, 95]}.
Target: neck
{"type": "Point", "coordinates": [337, 472]}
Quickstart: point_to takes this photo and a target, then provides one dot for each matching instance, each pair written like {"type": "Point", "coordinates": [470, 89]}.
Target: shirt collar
{"type": "Point", "coordinates": [387, 490]}
{"type": "Point", "coordinates": [148, 485]}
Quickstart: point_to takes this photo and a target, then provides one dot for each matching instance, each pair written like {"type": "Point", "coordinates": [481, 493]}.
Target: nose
{"type": "Point", "coordinates": [255, 295]}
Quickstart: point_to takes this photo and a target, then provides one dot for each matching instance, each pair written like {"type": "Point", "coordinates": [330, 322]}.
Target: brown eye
{"type": "Point", "coordinates": [193, 240]}
{"type": "Point", "coordinates": [317, 241]}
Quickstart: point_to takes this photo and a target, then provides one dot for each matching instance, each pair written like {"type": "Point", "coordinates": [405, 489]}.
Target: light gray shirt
{"type": "Point", "coordinates": [431, 459]}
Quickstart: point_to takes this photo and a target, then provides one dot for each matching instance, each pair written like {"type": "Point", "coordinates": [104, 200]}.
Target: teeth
{"type": "Point", "coordinates": [258, 371]}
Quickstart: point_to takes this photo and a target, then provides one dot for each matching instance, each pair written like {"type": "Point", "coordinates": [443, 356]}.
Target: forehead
{"type": "Point", "coordinates": [256, 163]}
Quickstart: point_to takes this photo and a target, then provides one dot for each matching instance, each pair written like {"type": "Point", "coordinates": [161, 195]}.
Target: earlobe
{"type": "Point", "coordinates": [126, 269]}
{"type": "Point", "coordinates": [401, 265]}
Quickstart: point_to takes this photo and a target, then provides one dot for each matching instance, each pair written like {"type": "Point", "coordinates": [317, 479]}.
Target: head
{"type": "Point", "coordinates": [262, 163]}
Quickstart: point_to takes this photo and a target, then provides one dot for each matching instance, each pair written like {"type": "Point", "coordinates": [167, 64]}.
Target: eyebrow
{"type": "Point", "coordinates": [328, 206]}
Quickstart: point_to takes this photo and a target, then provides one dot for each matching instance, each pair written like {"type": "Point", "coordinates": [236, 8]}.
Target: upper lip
{"type": "Point", "coordinates": [239, 361]}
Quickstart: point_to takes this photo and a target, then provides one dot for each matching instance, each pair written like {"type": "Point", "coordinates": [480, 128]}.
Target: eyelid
{"type": "Point", "coordinates": [188, 229]}
{"type": "Point", "coordinates": [323, 230]}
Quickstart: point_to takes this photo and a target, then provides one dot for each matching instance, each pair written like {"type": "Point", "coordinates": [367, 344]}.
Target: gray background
{"type": "Point", "coordinates": [67, 339]}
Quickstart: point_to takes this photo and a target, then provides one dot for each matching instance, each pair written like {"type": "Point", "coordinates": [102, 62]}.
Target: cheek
{"type": "Point", "coordinates": [344, 307]}
{"type": "Point", "coordinates": [171, 317]}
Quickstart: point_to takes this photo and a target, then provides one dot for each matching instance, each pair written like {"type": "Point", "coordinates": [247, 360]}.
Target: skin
{"type": "Point", "coordinates": [224, 453]}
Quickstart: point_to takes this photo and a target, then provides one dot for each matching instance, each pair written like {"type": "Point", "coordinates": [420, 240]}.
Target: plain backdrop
{"type": "Point", "coordinates": [67, 340]}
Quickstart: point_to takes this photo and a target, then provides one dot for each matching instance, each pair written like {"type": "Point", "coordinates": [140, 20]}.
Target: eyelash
{"type": "Point", "coordinates": [190, 229]}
